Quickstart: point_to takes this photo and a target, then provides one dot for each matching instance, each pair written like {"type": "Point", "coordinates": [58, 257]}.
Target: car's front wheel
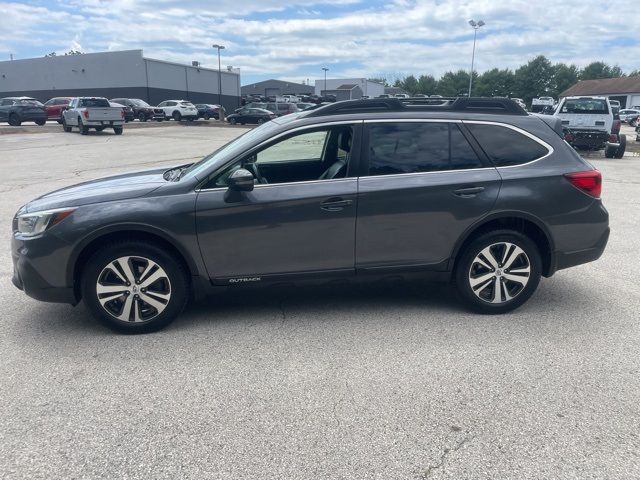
{"type": "Point", "coordinates": [498, 272]}
{"type": "Point", "coordinates": [134, 287]}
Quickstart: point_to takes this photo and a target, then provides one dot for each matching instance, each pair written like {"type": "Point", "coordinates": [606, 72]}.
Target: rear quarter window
{"type": "Point", "coordinates": [506, 147]}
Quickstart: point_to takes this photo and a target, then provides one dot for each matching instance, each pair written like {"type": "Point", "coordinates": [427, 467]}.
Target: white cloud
{"type": "Point", "coordinates": [293, 39]}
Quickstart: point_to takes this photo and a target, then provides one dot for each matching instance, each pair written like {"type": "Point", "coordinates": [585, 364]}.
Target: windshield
{"type": "Point", "coordinates": [139, 103]}
{"type": "Point", "coordinates": [235, 147]}
{"type": "Point", "coordinates": [593, 106]}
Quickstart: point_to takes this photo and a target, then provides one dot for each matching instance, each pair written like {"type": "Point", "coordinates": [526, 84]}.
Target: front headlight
{"type": "Point", "coordinates": [32, 224]}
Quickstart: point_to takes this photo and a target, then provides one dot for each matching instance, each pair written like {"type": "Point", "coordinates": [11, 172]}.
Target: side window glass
{"type": "Point", "coordinates": [463, 156]}
{"type": "Point", "coordinates": [408, 147]}
{"type": "Point", "coordinates": [305, 147]}
{"type": "Point", "coordinates": [505, 146]}
{"type": "Point", "coordinates": [314, 155]}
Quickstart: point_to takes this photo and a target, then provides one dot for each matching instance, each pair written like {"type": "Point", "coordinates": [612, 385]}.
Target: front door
{"type": "Point", "coordinates": [299, 219]}
{"type": "Point", "coordinates": [425, 186]}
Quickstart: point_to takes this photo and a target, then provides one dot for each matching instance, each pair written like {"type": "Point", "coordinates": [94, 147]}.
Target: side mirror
{"type": "Point", "coordinates": [241, 180]}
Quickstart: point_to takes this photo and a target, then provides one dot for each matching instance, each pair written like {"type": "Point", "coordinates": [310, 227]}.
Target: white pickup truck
{"type": "Point", "coordinates": [589, 124]}
{"type": "Point", "coordinates": [92, 112]}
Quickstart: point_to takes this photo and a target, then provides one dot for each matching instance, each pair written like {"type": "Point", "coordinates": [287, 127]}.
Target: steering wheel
{"type": "Point", "coordinates": [253, 168]}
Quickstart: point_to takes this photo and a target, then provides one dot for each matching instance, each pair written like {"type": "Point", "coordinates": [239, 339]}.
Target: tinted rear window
{"type": "Point", "coordinates": [505, 146]}
{"type": "Point", "coordinates": [594, 106]}
{"type": "Point", "coordinates": [418, 147]}
{"type": "Point", "coordinates": [94, 102]}
{"type": "Point", "coordinates": [28, 101]}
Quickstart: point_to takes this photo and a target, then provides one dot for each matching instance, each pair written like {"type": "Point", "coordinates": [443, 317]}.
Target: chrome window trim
{"type": "Point", "coordinates": [427, 173]}
{"type": "Point", "coordinates": [266, 185]}
{"type": "Point", "coordinates": [276, 137]}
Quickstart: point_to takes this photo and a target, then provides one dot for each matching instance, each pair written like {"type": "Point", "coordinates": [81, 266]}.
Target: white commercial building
{"type": "Point", "coordinates": [369, 88]}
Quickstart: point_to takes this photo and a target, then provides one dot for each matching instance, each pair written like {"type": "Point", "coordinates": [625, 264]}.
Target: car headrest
{"type": "Point", "coordinates": [344, 140]}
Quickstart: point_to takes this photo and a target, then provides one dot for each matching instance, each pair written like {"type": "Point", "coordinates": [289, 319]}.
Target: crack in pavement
{"type": "Point", "coordinates": [445, 454]}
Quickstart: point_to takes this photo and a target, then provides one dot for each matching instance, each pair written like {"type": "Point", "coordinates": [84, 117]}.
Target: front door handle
{"type": "Point", "coordinates": [468, 192]}
{"type": "Point", "coordinates": [335, 204]}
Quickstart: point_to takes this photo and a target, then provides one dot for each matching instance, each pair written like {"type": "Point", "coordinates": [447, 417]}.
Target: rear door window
{"type": "Point", "coordinates": [94, 102]}
{"type": "Point", "coordinates": [505, 146]}
{"type": "Point", "coordinates": [408, 147]}
{"type": "Point", "coordinates": [593, 106]}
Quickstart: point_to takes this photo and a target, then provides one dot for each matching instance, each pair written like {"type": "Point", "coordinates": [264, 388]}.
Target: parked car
{"type": "Point", "coordinates": [250, 115]}
{"type": "Point", "coordinates": [305, 106]}
{"type": "Point", "coordinates": [141, 109]}
{"type": "Point", "coordinates": [92, 112]}
{"type": "Point", "coordinates": [252, 105]}
{"type": "Point", "coordinates": [628, 114]}
{"type": "Point", "coordinates": [179, 109]}
{"type": "Point", "coordinates": [281, 109]}
{"type": "Point", "coordinates": [540, 103]}
{"type": "Point", "coordinates": [16, 110]}
{"type": "Point", "coordinates": [207, 111]}
{"type": "Point", "coordinates": [55, 106]}
{"type": "Point", "coordinates": [520, 102]}
{"type": "Point", "coordinates": [401, 95]}
{"type": "Point", "coordinates": [128, 112]}
{"type": "Point", "coordinates": [615, 103]}
{"type": "Point", "coordinates": [489, 197]}
{"type": "Point", "coordinates": [589, 124]}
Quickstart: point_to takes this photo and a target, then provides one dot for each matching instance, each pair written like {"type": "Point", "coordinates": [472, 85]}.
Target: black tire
{"type": "Point", "coordinates": [65, 127]}
{"type": "Point", "coordinates": [40, 122]}
{"type": "Point", "coordinates": [177, 116]}
{"type": "Point", "coordinates": [623, 146]}
{"type": "Point", "coordinates": [206, 116]}
{"type": "Point", "coordinates": [84, 130]}
{"type": "Point", "coordinates": [232, 121]}
{"type": "Point", "coordinates": [260, 121]}
{"type": "Point", "coordinates": [633, 122]}
{"type": "Point", "coordinates": [99, 129]}
{"type": "Point", "coordinates": [610, 152]}
{"type": "Point", "coordinates": [142, 117]}
{"type": "Point", "coordinates": [520, 293]}
{"type": "Point", "coordinates": [177, 287]}
{"type": "Point", "coordinates": [117, 130]}
{"type": "Point", "coordinates": [59, 121]}
{"type": "Point", "coordinates": [14, 120]}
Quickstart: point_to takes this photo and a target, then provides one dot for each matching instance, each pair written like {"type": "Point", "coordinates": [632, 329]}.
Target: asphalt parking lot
{"type": "Point", "coordinates": [384, 380]}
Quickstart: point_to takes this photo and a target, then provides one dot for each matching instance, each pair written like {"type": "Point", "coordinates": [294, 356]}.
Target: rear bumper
{"type": "Point", "coordinates": [578, 257]}
{"type": "Point", "coordinates": [103, 123]}
{"type": "Point", "coordinates": [589, 138]}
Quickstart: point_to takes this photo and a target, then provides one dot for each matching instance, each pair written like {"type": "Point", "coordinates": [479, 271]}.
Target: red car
{"type": "Point", "coordinates": [54, 107]}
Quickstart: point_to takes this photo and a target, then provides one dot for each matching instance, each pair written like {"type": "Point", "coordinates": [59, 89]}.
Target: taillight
{"type": "Point", "coordinates": [86, 114]}
{"type": "Point", "coordinates": [122, 113]}
{"type": "Point", "coordinates": [616, 126]}
{"type": "Point", "coordinates": [569, 137]}
{"type": "Point", "coordinates": [589, 182]}
{"type": "Point", "coordinates": [613, 138]}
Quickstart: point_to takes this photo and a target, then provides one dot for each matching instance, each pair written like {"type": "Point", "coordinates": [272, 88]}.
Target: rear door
{"type": "Point", "coordinates": [586, 114]}
{"type": "Point", "coordinates": [425, 183]}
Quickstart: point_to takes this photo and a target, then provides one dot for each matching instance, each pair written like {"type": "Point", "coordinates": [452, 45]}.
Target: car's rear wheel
{"type": "Point", "coordinates": [623, 146]}
{"type": "Point", "coordinates": [14, 120]}
{"type": "Point", "coordinates": [134, 287]}
{"type": "Point", "coordinates": [117, 130]}
{"type": "Point", "coordinates": [206, 116]}
{"type": "Point", "coordinates": [260, 121]}
{"type": "Point", "coordinates": [177, 116]}
{"type": "Point", "coordinates": [40, 122]}
{"type": "Point", "coordinates": [610, 152]}
{"type": "Point", "coordinates": [142, 117]}
{"type": "Point", "coordinates": [84, 130]}
{"type": "Point", "coordinates": [232, 121]}
{"type": "Point", "coordinates": [498, 272]}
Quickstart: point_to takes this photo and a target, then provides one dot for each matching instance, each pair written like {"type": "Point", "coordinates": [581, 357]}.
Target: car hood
{"type": "Point", "coordinates": [120, 187]}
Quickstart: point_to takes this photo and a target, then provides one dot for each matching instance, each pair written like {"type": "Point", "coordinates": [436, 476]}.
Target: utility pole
{"type": "Point", "coordinates": [325, 80]}
{"type": "Point", "coordinates": [219, 47]}
{"type": "Point", "coordinates": [476, 26]}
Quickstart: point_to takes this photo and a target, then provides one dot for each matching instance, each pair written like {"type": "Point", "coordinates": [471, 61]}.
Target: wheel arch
{"type": "Point", "coordinates": [520, 222]}
{"type": "Point", "coordinates": [85, 249]}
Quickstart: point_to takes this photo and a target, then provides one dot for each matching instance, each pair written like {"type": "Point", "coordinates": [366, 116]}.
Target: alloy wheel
{"type": "Point", "coordinates": [499, 273]}
{"type": "Point", "coordinates": [133, 289]}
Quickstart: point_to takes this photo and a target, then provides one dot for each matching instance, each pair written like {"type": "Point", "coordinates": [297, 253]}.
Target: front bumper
{"type": "Point", "coordinates": [39, 269]}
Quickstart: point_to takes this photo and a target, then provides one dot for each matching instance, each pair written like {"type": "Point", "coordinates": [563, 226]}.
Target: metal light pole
{"type": "Point", "coordinates": [219, 47]}
{"type": "Point", "coordinates": [325, 80]}
{"type": "Point", "coordinates": [476, 26]}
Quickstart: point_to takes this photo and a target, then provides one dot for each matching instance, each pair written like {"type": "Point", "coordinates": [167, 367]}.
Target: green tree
{"type": "Point", "coordinates": [453, 84]}
{"type": "Point", "coordinates": [564, 76]}
{"type": "Point", "coordinates": [494, 83]}
{"type": "Point", "coordinates": [427, 85]}
{"type": "Point", "coordinates": [408, 84]}
{"type": "Point", "coordinates": [597, 70]}
{"type": "Point", "coordinates": [534, 79]}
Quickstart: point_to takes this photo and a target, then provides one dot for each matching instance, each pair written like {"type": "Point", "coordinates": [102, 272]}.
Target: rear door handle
{"type": "Point", "coordinates": [335, 204]}
{"type": "Point", "coordinates": [468, 192]}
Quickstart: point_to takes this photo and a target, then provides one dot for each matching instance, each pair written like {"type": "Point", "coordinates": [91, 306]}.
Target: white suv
{"type": "Point", "coordinates": [179, 109]}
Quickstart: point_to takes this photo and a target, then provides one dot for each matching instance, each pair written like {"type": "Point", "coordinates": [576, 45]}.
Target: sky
{"type": "Point", "coordinates": [293, 39]}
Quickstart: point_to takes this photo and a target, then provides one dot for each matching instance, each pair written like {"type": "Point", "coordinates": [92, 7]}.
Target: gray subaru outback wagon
{"type": "Point", "coordinates": [469, 190]}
